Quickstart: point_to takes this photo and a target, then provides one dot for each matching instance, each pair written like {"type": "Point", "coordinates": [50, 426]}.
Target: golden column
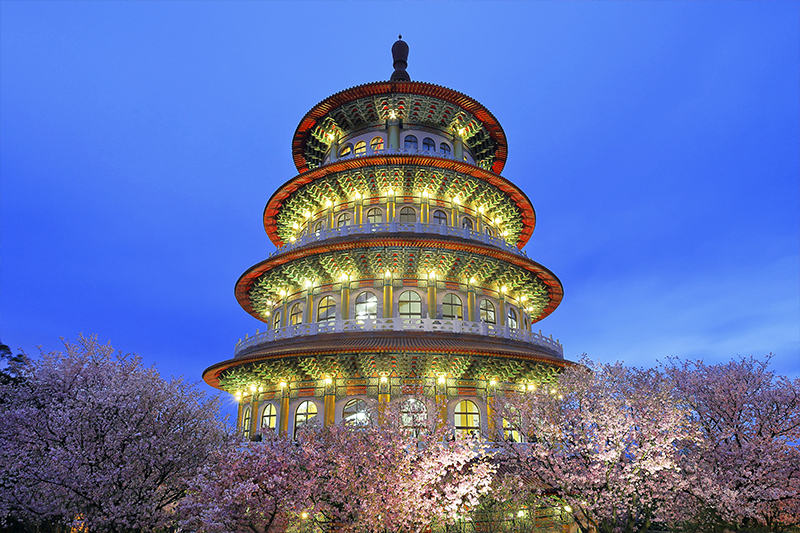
{"type": "Point", "coordinates": [283, 427]}
{"type": "Point", "coordinates": [387, 295]}
{"type": "Point", "coordinates": [329, 414]}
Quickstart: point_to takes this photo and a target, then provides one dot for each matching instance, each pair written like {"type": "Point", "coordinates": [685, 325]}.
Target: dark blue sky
{"type": "Point", "coordinates": [658, 141]}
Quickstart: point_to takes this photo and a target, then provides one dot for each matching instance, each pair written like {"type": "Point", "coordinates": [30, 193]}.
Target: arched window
{"type": "Point", "coordinates": [361, 148]}
{"type": "Point", "coordinates": [296, 315]}
{"type": "Point", "coordinates": [326, 311]}
{"type": "Point", "coordinates": [525, 322]}
{"type": "Point", "coordinates": [347, 149]}
{"type": "Point", "coordinates": [246, 421]}
{"type": "Point", "coordinates": [305, 414]}
{"type": "Point", "coordinates": [428, 144]}
{"type": "Point", "coordinates": [269, 418]}
{"type": "Point", "coordinates": [355, 413]}
{"type": "Point", "coordinates": [343, 220]}
{"type": "Point", "coordinates": [413, 416]}
{"type": "Point", "coordinates": [408, 215]}
{"type": "Point", "coordinates": [489, 231]}
{"type": "Point", "coordinates": [439, 217]}
{"type": "Point", "coordinates": [410, 143]}
{"type": "Point", "coordinates": [487, 312]}
{"type": "Point", "coordinates": [318, 227]}
{"type": "Point", "coordinates": [445, 148]}
{"type": "Point", "coordinates": [511, 430]}
{"type": "Point", "coordinates": [366, 305]}
{"type": "Point", "coordinates": [276, 322]}
{"type": "Point", "coordinates": [376, 144]}
{"type": "Point", "coordinates": [374, 216]}
{"type": "Point", "coordinates": [468, 419]}
{"type": "Point", "coordinates": [451, 307]}
{"type": "Point", "coordinates": [467, 223]}
{"type": "Point", "coordinates": [410, 305]}
{"type": "Point", "coordinates": [512, 318]}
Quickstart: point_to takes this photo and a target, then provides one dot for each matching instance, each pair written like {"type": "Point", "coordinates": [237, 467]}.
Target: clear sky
{"type": "Point", "coordinates": [658, 141]}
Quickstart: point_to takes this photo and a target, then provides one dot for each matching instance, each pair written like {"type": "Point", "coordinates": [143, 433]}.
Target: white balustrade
{"type": "Point", "coordinates": [397, 227]}
{"type": "Point", "coordinates": [400, 324]}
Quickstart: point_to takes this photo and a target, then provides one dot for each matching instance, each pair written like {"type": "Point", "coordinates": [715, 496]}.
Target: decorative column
{"type": "Point", "coordinates": [501, 320]}
{"type": "Point", "coordinates": [390, 206]}
{"type": "Point", "coordinates": [309, 314]}
{"type": "Point", "coordinates": [254, 414]}
{"type": "Point", "coordinates": [425, 210]}
{"type": "Point", "coordinates": [283, 427]}
{"type": "Point", "coordinates": [441, 400]}
{"type": "Point", "coordinates": [479, 221]}
{"type": "Point", "coordinates": [432, 295]}
{"type": "Point", "coordinates": [358, 210]}
{"type": "Point", "coordinates": [239, 409]}
{"type": "Point", "coordinates": [345, 301]}
{"type": "Point", "coordinates": [387, 295]}
{"type": "Point", "coordinates": [284, 309]}
{"type": "Point", "coordinates": [329, 215]}
{"type": "Point", "coordinates": [491, 426]}
{"type": "Point", "coordinates": [329, 413]}
{"type": "Point", "coordinates": [454, 213]}
{"type": "Point", "coordinates": [393, 126]}
{"type": "Point", "coordinates": [458, 145]}
{"type": "Point", "coordinates": [334, 147]}
{"type": "Point", "coordinates": [471, 301]}
{"type": "Point", "coordinates": [384, 395]}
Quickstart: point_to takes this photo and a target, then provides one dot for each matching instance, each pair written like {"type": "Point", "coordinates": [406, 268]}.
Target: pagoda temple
{"type": "Point", "coordinates": [399, 267]}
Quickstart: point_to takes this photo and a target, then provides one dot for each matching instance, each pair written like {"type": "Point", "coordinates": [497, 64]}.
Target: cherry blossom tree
{"type": "Point", "coordinates": [603, 445]}
{"type": "Point", "coordinates": [92, 438]}
{"type": "Point", "coordinates": [247, 486]}
{"type": "Point", "coordinates": [394, 472]}
{"type": "Point", "coordinates": [747, 464]}
{"type": "Point", "coordinates": [384, 476]}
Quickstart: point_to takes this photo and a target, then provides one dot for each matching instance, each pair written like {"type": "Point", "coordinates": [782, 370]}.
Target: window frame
{"type": "Point", "coordinates": [365, 302]}
{"type": "Point", "coordinates": [451, 305]}
{"type": "Point", "coordinates": [403, 213]}
{"type": "Point", "coordinates": [462, 430]}
{"type": "Point", "coordinates": [428, 144]}
{"type": "Point", "coordinates": [308, 417]}
{"type": "Point", "coordinates": [359, 408]}
{"type": "Point", "coordinates": [410, 142]}
{"type": "Point", "coordinates": [440, 217]}
{"type": "Point", "coordinates": [409, 302]}
{"type": "Point", "coordinates": [370, 214]}
{"type": "Point", "coordinates": [296, 313]}
{"type": "Point", "coordinates": [467, 223]}
{"type": "Point", "coordinates": [246, 420]}
{"type": "Point", "coordinates": [376, 146]}
{"type": "Point", "coordinates": [346, 150]}
{"type": "Point", "coordinates": [330, 305]}
{"type": "Point", "coordinates": [343, 216]}
{"type": "Point", "coordinates": [485, 313]}
{"type": "Point", "coordinates": [269, 414]}
{"type": "Point", "coordinates": [445, 149]}
{"type": "Point", "coordinates": [360, 148]}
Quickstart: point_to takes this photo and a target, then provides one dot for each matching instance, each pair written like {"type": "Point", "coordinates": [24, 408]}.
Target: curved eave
{"type": "Point", "coordinates": [406, 342]}
{"type": "Point", "coordinates": [475, 108]}
{"type": "Point", "coordinates": [519, 198]}
{"type": "Point", "coordinates": [246, 280]}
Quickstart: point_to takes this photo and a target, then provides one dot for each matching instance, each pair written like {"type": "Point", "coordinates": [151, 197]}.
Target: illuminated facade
{"type": "Point", "coordinates": [399, 267]}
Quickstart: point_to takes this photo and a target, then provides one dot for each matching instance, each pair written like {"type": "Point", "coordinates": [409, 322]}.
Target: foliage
{"type": "Point", "coordinates": [92, 438]}
{"type": "Point", "coordinates": [603, 444]}
{"type": "Point", "coordinates": [374, 477]}
{"type": "Point", "coordinates": [746, 466]}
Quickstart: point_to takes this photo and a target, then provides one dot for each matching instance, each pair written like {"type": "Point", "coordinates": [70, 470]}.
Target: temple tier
{"type": "Point", "coordinates": [399, 267]}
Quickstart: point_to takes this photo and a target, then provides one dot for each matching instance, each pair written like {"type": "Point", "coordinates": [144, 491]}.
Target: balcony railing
{"type": "Point", "coordinates": [395, 227]}
{"type": "Point", "coordinates": [401, 324]}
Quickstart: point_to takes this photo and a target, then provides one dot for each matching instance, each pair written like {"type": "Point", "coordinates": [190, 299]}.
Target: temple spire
{"type": "Point", "coordinates": [400, 57]}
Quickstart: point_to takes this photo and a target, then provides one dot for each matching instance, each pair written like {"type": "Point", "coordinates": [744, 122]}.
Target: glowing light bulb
{"type": "Point", "coordinates": [384, 379]}
{"type": "Point", "coordinates": [282, 384]}
{"type": "Point", "coordinates": [282, 292]}
{"type": "Point", "coordinates": [308, 284]}
{"type": "Point", "coordinates": [472, 281]}
{"type": "Point", "coordinates": [493, 382]}
{"type": "Point", "coordinates": [292, 238]}
{"type": "Point", "coordinates": [390, 192]}
{"type": "Point", "coordinates": [504, 289]}
{"type": "Point", "coordinates": [388, 274]}
{"type": "Point", "coordinates": [432, 274]}
{"type": "Point", "coordinates": [441, 380]}
{"type": "Point", "coordinates": [328, 203]}
{"type": "Point", "coordinates": [328, 381]}
{"type": "Point", "coordinates": [457, 200]}
{"type": "Point", "coordinates": [567, 508]}
{"type": "Point", "coordinates": [481, 209]}
{"type": "Point", "coordinates": [307, 214]}
{"type": "Point", "coordinates": [523, 299]}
